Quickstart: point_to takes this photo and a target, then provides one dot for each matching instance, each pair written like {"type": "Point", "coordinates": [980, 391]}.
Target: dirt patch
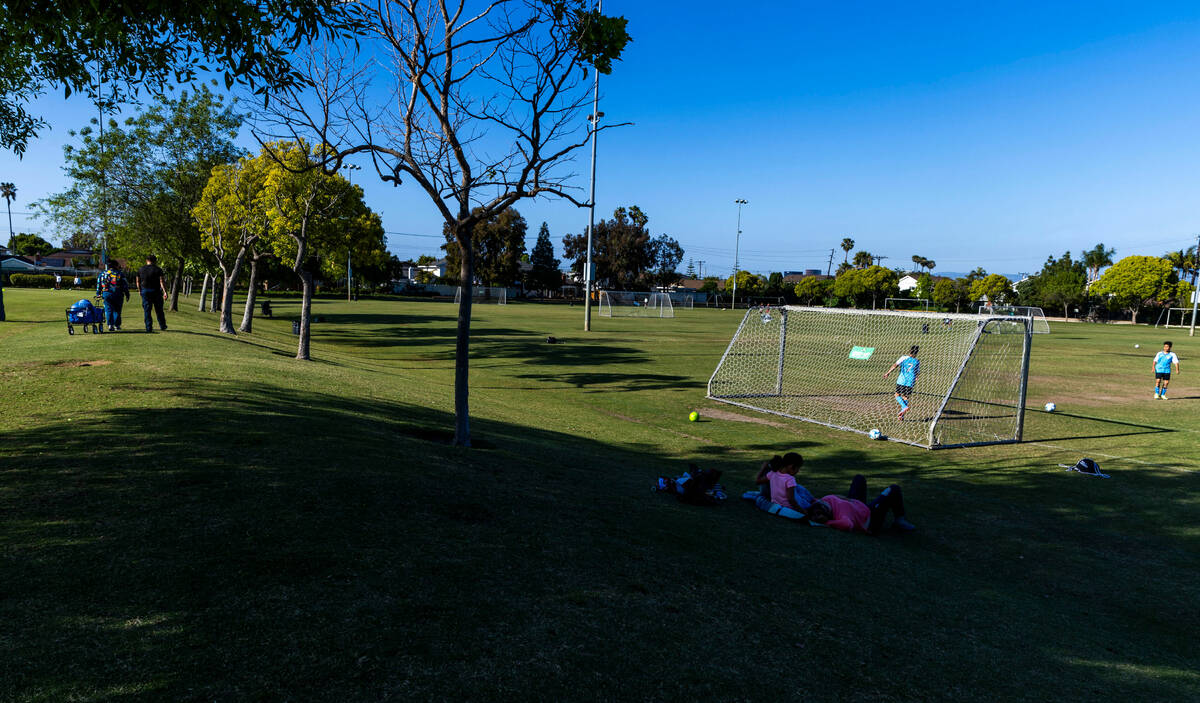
{"type": "Point", "coordinates": [76, 364]}
{"type": "Point", "coordinates": [737, 417]}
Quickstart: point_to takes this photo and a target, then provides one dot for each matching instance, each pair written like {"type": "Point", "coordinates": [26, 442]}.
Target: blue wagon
{"type": "Point", "coordinates": [84, 313]}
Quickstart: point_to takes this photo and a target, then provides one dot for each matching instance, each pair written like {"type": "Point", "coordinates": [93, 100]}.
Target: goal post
{"type": "Point", "coordinates": [622, 303]}
{"type": "Point", "coordinates": [485, 294]}
{"type": "Point", "coordinates": [1040, 325]}
{"type": "Point", "coordinates": [1175, 317]}
{"type": "Point", "coordinates": [906, 303]}
{"type": "Point", "coordinates": [827, 366]}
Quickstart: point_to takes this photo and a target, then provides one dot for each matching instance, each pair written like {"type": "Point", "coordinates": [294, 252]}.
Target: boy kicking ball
{"type": "Point", "coordinates": [1162, 370]}
{"type": "Point", "coordinates": [910, 368]}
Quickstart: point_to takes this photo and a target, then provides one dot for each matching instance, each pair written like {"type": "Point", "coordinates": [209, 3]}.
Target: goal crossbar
{"type": "Point", "coordinates": [1040, 325]}
{"type": "Point", "coordinates": [827, 366]}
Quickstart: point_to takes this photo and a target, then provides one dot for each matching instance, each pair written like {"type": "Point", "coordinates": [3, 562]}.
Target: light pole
{"type": "Point", "coordinates": [736, 245]}
{"type": "Point", "coordinates": [350, 169]}
{"type": "Point", "coordinates": [594, 119]}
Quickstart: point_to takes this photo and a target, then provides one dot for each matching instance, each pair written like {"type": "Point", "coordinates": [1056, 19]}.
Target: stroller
{"type": "Point", "coordinates": [84, 313]}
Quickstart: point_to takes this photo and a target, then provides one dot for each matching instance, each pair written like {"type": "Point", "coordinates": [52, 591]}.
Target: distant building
{"type": "Point", "coordinates": [908, 283]}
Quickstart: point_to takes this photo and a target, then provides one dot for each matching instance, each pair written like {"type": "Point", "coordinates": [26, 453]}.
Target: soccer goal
{"type": "Point", "coordinates": [906, 303]}
{"type": "Point", "coordinates": [621, 303]}
{"type": "Point", "coordinates": [827, 365]}
{"type": "Point", "coordinates": [485, 294]}
{"type": "Point", "coordinates": [1175, 317]}
{"type": "Point", "coordinates": [1040, 326]}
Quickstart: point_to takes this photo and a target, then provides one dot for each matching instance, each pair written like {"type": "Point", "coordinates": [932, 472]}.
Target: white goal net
{"type": "Point", "coordinates": [827, 365]}
{"type": "Point", "coordinates": [485, 294]}
{"type": "Point", "coordinates": [1040, 326]}
{"type": "Point", "coordinates": [1176, 317]}
{"type": "Point", "coordinates": [906, 303]}
{"type": "Point", "coordinates": [622, 303]}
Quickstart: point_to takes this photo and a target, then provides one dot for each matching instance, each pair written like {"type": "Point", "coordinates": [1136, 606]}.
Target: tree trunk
{"type": "Point", "coordinates": [216, 293]}
{"type": "Point", "coordinates": [251, 294]}
{"type": "Point", "coordinates": [1134, 312]}
{"type": "Point", "coordinates": [204, 294]}
{"type": "Point", "coordinates": [462, 342]}
{"type": "Point", "coordinates": [306, 287]}
{"type": "Point", "coordinates": [176, 284]}
{"type": "Point", "coordinates": [227, 288]}
{"type": "Point", "coordinates": [1066, 311]}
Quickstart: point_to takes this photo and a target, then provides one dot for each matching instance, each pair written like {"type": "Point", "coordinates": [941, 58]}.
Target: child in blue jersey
{"type": "Point", "coordinates": [1162, 370]}
{"type": "Point", "coordinates": [910, 368]}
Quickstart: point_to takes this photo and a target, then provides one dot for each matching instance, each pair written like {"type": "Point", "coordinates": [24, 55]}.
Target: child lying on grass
{"type": "Point", "coordinates": [853, 513]}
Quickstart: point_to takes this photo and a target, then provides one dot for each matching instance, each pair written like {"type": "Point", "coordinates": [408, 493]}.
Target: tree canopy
{"type": "Point", "coordinates": [1136, 280]}
{"type": "Point", "coordinates": [29, 245]}
{"type": "Point", "coordinates": [111, 51]}
{"type": "Point", "coordinates": [626, 256]}
{"type": "Point", "coordinates": [498, 241]}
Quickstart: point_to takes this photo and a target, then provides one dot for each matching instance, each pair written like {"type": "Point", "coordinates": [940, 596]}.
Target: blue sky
{"type": "Point", "coordinates": [975, 136]}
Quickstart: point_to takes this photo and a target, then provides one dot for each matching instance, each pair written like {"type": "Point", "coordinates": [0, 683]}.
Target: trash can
{"type": "Point", "coordinates": [295, 327]}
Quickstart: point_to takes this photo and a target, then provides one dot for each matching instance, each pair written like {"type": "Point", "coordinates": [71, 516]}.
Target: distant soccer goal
{"type": "Point", "coordinates": [621, 303]}
{"type": "Point", "coordinates": [1040, 326]}
{"type": "Point", "coordinates": [715, 300]}
{"type": "Point", "coordinates": [687, 303]}
{"type": "Point", "coordinates": [906, 303]}
{"type": "Point", "coordinates": [827, 365]}
{"type": "Point", "coordinates": [1175, 317]}
{"type": "Point", "coordinates": [485, 294]}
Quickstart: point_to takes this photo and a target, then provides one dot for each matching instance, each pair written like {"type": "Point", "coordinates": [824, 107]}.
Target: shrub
{"type": "Point", "coordinates": [31, 280]}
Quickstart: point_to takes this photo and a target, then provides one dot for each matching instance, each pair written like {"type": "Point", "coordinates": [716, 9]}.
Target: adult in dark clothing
{"type": "Point", "coordinates": [151, 284]}
{"type": "Point", "coordinates": [111, 286]}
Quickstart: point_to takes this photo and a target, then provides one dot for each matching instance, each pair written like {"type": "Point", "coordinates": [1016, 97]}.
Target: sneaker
{"type": "Point", "coordinates": [901, 415]}
{"type": "Point", "coordinates": [1156, 396]}
{"type": "Point", "coordinates": [903, 525]}
{"type": "Point", "coordinates": [1163, 396]}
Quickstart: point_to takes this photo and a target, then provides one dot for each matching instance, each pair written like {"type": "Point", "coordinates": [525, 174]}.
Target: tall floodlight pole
{"type": "Point", "coordinates": [594, 119]}
{"type": "Point", "coordinates": [737, 241]}
{"type": "Point", "coordinates": [1195, 293]}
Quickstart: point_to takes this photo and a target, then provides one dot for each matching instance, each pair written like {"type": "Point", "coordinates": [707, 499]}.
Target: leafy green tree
{"type": "Point", "coordinates": [545, 274]}
{"type": "Point", "coordinates": [711, 285]}
{"type": "Point", "coordinates": [498, 242]}
{"type": "Point", "coordinates": [995, 287]}
{"type": "Point", "coordinates": [145, 177]}
{"type": "Point", "coordinates": [111, 51]}
{"type": "Point", "coordinates": [30, 245]}
{"type": "Point", "coordinates": [621, 249]}
{"type": "Point", "coordinates": [869, 284]}
{"type": "Point", "coordinates": [665, 255]}
{"type": "Point", "coordinates": [748, 284]}
{"type": "Point", "coordinates": [307, 210]}
{"type": "Point", "coordinates": [924, 287]}
{"type": "Point", "coordinates": [812, 290]}
{"type": "Point", "coordinates": [1061, 282]}
{"type": "Point", "coordinates": [774, 287]}
{"type": "Point", "coordinates": [1135, 281]}
{"type": "Point", "coordinates": [232, 217]}
{"type": "Point", "coordinates": [952, 293]}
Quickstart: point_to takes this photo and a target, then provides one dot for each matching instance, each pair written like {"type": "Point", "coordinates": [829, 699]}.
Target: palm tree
{"type": "Point", "coordinates": [847, 245]}
{"type": "Point", "coordinates": [1184, 261]}
{"type": "Point", "coordinates": [863, 259]}
{"type": "Point", "coordinates": [918, 262]}
{"type": "Point", "coordinates": [1097, 258]}
{"type": "Point", "coordinates": [8, 191]}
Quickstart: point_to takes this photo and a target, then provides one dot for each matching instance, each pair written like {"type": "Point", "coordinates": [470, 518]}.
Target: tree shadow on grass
{"type": "Point", "coordinates": [271, 543]}
{"type": "Point", "coordinates": [600, 382]}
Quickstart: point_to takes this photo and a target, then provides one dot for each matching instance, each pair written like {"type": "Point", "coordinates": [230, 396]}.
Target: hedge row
{"type": "Point", "coordinates": [43, 280]}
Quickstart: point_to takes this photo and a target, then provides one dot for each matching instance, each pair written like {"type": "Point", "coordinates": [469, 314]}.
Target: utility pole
{"type": "Point", "coordinates": [1195, 294]}
{"type": "Point", "coordinates": [878, 259]}
{"type": "Point", "coordinates": [736, 245]}
{"type": "Point", "coordinates": [701, 269]}
{"type": "Point", "coordinates": [594, 118]}
{"type": "Point", "coordinates": [829, 269]}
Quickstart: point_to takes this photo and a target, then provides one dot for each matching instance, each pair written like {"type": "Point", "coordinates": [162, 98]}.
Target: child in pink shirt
{"type": "Point", "coordinates": [778, 492]}
{"type": "Point", "coordinates": [853, 513]}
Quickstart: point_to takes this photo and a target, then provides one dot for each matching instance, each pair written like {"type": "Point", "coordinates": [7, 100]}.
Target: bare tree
{"type": "Point", "coordinates": [488, 107]}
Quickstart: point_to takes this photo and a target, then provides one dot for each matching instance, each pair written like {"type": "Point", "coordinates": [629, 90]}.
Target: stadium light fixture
{"type": "Point", "coordinates": [736, 245]}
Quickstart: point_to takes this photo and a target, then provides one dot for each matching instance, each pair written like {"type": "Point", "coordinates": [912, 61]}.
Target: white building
{"type": "Point", "coordinates": [908, 283]}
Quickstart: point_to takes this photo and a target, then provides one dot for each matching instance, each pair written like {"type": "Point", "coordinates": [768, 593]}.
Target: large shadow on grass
{"type": "Point", "coordinates": [268, 543]}
{"type": "Point", "coordinates": [1087, 427]}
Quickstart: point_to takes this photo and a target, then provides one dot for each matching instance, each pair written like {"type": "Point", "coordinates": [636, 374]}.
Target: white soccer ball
{"type": "Point", "coordinates": [1050, 407]}
{"type": "Point", "coordinates": [874, 434]}
{"type": "Point", "coordinates": [1137, 346]}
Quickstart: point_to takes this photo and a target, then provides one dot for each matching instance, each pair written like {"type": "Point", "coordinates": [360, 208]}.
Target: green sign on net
{"type": "Point", "coordinates": [862, 353]}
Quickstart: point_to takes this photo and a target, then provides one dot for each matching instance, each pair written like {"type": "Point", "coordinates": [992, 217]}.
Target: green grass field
{"type": "Point", "coordinates": [189, 516]}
